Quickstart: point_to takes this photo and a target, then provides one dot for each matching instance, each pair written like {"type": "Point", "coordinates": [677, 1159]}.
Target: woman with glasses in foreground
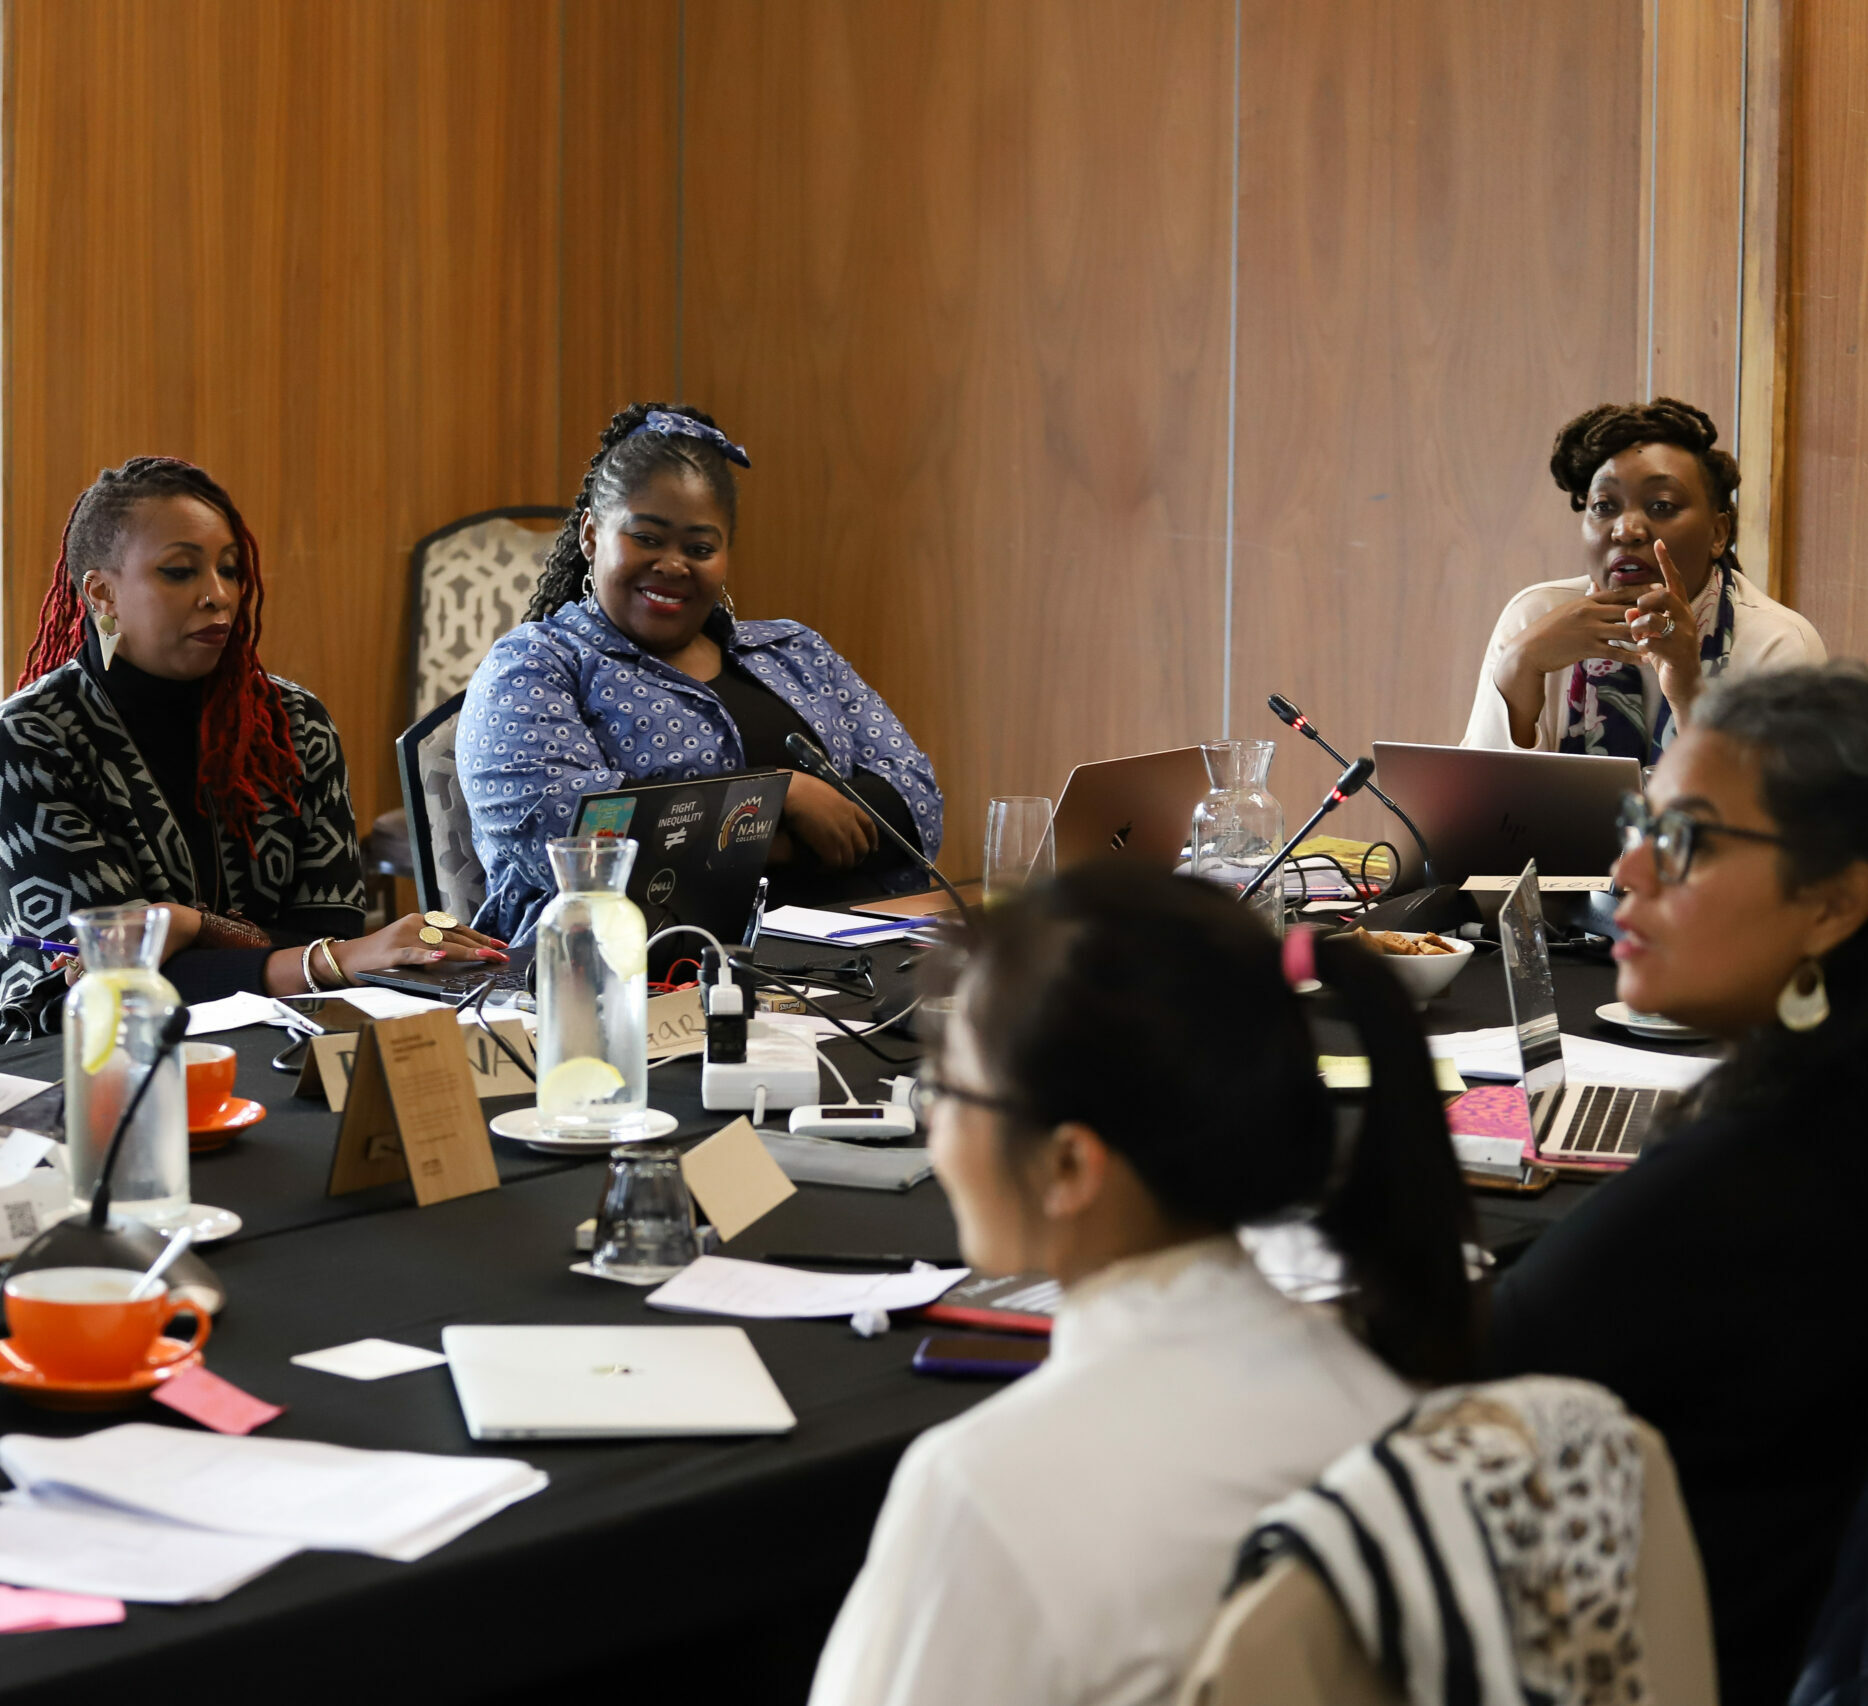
{"type": "Point", "coordinates": [1127, 1078]}
{"type": "Point", "coordinates": [1706, 1285]}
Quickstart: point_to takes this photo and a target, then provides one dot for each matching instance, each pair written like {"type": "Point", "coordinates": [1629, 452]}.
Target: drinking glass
{"type": "Point", "coordinates": [645, 1219]}
{"type": "Point", "coordinates": [1020, 847]}
{"type": "Point", "coordinates": [593, 1068]}
{"type": "Point", "coordinates": [114, 1016]}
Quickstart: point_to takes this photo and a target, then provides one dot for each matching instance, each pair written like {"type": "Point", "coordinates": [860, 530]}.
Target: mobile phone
{"type": "Point", "coordinates": [979, 1356]}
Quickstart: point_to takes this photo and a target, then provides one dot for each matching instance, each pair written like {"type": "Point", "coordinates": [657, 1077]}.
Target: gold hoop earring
{"type": "Point", "coordinates": [726, 604]}
{"type": "Point", "coordinates": [1803, 1002]}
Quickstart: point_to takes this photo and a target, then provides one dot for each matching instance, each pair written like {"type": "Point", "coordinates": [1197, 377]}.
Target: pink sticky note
{"type": "Point", "coordinates": [23, 1610]}
{"type": "Point", "coordinates": [215, 1403]}
{"type": "Point", "coordinates": [1492, 1110]}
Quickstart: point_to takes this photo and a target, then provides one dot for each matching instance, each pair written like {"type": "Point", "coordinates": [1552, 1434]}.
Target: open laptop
{"type": "Point", "coordinates": [701, 848]}
{"type": "Point", "coordinates": [1138, 808]}
{"type": "Point", "coordinates": [1485, 812]}
{"type": "Point", "coordinates": [612, 1382]}
{"type": "Point", "coordinates": [1593, 1124]}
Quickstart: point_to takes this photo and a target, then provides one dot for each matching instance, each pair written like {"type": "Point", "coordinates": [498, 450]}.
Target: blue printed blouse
{"type": "Point", "coordinates": [571, 706]}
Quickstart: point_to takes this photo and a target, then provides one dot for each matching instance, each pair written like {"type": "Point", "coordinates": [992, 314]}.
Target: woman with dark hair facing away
{"type": "Point", "coordinates": [1126, 1079]}
{"type": "Point", "coordinates": [631, 667]}
{"type": "Point", "coordinates": [149, 756]}
{"type": "Point", "coordinates": [1611, 661]}
{"type": "Point", "coordinates": [1713, 1286]}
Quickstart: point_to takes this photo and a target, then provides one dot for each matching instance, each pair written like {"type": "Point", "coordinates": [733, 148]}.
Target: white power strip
{"type": "Point", "coordinates": [781, 1057]}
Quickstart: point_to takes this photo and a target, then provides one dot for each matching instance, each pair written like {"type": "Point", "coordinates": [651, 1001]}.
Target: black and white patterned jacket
{"type": "Point", "coordinates": [83, 823]}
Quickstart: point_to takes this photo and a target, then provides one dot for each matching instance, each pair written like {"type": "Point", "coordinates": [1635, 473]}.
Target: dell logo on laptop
{"type": "Point", "coordinates": [661, 886]}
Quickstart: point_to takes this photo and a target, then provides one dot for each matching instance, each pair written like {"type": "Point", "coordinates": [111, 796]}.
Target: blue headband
{"type": "Point", "coordinates": [664, 421]}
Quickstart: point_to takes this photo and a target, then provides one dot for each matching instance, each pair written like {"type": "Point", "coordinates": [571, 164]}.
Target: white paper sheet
{"type": "Point", "coordinates": [370, 1359]}
{"type": "Point", "coordinates": [392, 1504]}
{"type": "Point", "coordinates": [808, 924]}
{"type": "Point", "coordinates": [230, 1013]}
{"type": "Point", "coordinates": [14, 1089]}
{"type": "Point", "coordinates": [766, 1291]}
{"type": "Point", "coordinates": [20, 1152]}
{"type": "Point", "coordinates": [1493, 1053]}
{"type": "Point", "coordinates": [72, 1550]}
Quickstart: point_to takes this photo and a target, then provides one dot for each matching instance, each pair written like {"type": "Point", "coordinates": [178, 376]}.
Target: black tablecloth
{"type": "Point", "coordinates": [661, 1564]}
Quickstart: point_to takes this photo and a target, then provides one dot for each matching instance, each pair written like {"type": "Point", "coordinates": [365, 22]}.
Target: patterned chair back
{"type": "Point", "coordinates": [448, 874]}
{"type": "Point", "coordinates": [473, 579]}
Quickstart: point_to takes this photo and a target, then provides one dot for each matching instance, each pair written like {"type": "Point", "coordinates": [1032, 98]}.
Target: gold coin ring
{"type": "Point", "coordinates": [431, 935]}
{"type": "Point", "coordinates": [441, 921]}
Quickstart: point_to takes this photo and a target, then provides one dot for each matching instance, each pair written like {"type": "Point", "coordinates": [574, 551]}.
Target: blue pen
{"type": "Point", "coordinates": [42, 945]}
{"type": "Point", "coordinates": [866, 930]}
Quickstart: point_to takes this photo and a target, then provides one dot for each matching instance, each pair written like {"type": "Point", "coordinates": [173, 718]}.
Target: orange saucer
{"type": "Point", "coordinates": [235, 1116]}
{"type": "Point", "coordinates": [50, 1394]}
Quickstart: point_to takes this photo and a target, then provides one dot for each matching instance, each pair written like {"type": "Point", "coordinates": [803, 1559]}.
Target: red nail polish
{"type": "Point", "coordinates": [439, 954]}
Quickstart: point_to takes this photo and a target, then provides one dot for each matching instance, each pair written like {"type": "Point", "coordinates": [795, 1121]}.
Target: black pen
{"type": "Point", "coordinates": [797, 1259]}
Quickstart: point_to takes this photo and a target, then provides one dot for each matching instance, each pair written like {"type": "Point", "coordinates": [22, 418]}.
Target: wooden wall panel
{"type": "Point", "coordinates": [957, 275]}
{"type": "Point", "coordinates": [1439, 265]}
{"type": "Point", "coordinates": [1828, 427]}
{"type": "Point", "coordinates": [310, 244]}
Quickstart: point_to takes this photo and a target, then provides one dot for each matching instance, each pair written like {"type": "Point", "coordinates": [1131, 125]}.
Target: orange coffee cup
{"type": "Point", "coordinates": [78, 1323]}
{"type": "Point", "coordinates": [210, 1068]}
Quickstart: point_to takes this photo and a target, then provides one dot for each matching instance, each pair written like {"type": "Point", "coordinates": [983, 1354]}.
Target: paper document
{"type": "Point", "coordinates": [20, 1152]}
{"type": "Point", "coordinates": [392, 1504]}
{"type": "Point", "coordinates": [765, 1291]}
{"type": "Point", "coordinates": [230, 1013]}
{"type": "Point", "coordinates": [14, 1090]}
{"type": "Point", "coordinates": [1493, 1053]}
{"type": "Point", "coordinates": [826, 1161]}
{"type": "Point", "coordinates": [77, 1550]}
{"type": "Point", "coordinates": [808, 924]}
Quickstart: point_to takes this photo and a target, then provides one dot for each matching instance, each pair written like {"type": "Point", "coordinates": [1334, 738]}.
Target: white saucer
{"type": "Point", "coordinates": [1648, 1024]}
{"type": "Point", "coordinates": [211, 1224]}
{"type": "Point", "coordinates": [520, 1125]}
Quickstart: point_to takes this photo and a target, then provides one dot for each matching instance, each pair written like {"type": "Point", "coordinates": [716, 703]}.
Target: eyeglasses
{"type": "Point", "coordinates": [930, 1089]}
{"type": "Point", "coordinates": [1675, 836]}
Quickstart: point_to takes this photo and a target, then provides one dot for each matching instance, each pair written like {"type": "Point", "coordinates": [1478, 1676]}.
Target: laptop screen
{"type": "Point", "coordinates": [1533, 996]}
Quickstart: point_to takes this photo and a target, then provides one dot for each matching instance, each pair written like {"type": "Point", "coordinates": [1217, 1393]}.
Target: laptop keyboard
{"type": "Point", "coordinates": [1606, 1122]}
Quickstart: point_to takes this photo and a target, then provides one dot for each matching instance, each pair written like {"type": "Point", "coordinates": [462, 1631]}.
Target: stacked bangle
{"type": "Point", "coordinates": [324, 946]}
{"type": "Point", "coordinates": [321, 946]}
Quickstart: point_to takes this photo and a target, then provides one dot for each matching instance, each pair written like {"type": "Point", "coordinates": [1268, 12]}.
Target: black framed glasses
{"type": "Point", "coordinates": [931, 1088]}
{"type": "Point", "coordinates": [1674, 836]}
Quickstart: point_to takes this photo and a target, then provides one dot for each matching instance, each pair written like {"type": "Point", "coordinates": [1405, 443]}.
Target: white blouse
{"type": "Point", "coordinates": [1068, 1540]}
{"type": "Point", "coordinates": [1765, 635]}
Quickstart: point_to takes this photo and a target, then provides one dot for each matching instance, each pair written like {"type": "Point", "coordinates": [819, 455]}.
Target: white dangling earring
{"type": "Point", "coordinates": [726, 604]}
{"type": "Point", "coordinates": [108, 639]}
{"type": "Point", "coordinates": [1803, 1008]}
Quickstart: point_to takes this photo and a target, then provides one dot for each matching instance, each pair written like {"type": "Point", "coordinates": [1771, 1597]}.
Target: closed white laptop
{"type": "Point", "coordinates": [612, 1382]}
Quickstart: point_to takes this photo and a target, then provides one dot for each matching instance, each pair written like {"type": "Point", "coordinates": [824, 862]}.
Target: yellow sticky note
{"type": "Point", "coordinates": [1351, 1072]}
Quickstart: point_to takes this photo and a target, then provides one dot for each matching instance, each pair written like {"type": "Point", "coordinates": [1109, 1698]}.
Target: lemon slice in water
{"type": "Point", "coordinates": [618, 929]}
{"type": "Point", "coordinates": [100, 1008]}
{"type": "Point", "coordinates": [576, 1083]}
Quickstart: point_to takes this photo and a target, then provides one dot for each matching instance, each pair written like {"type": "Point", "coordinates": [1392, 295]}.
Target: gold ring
{"type": "Point", "coordinates": [441, 921]}
{"type": "Point", "coordinates": [431, 935]}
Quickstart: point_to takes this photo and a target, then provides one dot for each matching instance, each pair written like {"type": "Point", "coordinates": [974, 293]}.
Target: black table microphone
{"type": "Point", "coordinates": [168, 1039]}
{"type": "Point", "coordinates": [814, 761]}
{"type": "Point", "coordinates": [1351, 781]}
{"type": "Point", "coordinates": [1291, 717]}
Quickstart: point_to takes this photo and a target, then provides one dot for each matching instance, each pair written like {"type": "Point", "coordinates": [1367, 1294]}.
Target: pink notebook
{"type": "Point", "coordinates": [1493, 1110]}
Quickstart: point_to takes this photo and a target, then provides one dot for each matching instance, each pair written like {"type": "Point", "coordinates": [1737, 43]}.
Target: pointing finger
{"type": "Point", "coordinates": [1669, 573]}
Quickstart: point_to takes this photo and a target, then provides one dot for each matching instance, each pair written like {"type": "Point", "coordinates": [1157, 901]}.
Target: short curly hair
{"type": "Point", "coordinates": [1585, 443]}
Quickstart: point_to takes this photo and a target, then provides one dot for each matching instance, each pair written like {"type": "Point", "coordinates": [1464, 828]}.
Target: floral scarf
{"type": "Point", "coordinates": [1606, 714]}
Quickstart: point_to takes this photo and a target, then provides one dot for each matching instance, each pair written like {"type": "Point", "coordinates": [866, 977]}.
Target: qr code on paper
{"type": "Point", "coordinates": [21, 1222]}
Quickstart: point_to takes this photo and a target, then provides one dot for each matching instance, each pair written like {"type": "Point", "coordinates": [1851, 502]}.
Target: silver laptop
{"type": "Point", "coordinates": [1139, 808]}
{"type": "Point", "coordinates": [1484, 813]}
{"type": "Point", "coordinates": [612, 1382]}
{"type": "Point", "coordinates": [1603, 1124]}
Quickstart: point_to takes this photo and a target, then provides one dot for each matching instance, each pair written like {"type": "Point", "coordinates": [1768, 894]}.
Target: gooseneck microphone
{"type": "Point", "coordinates": [1291, 717]}
{"type": "Point", "coordinates": [1351, 781]}
{"type": "Point", "coordinates": [814, 761]}
{"type": "Point", "coordinates": [174, 1028]}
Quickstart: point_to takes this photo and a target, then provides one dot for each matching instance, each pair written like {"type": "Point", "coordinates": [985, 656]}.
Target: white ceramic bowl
{"type": "Point", "coordinates": [1424, 976]}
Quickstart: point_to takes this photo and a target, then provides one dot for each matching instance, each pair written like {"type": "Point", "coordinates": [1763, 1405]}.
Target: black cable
{"type": "Point", "coordinates": [766, 976]}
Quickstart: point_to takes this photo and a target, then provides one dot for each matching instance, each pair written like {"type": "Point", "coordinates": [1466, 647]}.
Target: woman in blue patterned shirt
{"type": "Point", "coordinates": [631, 668]}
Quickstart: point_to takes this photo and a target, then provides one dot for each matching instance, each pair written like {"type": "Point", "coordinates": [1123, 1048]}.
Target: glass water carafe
{"type": "Point", "coordinates": [114, 1016]}
{"type": "Point", "coordinates": [1238, 826]}
{"type": "Point", "coordinates": [593, 994]}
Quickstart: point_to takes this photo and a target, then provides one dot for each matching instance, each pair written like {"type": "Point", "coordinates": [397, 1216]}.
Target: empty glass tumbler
{"type": "Point", "coordinates": [1238, 825]}
{"type": "Point", "coordinates": [645, 1220]}
{"type": "Point", "coordinates": [593, 994]}
{"type": "Point", "coordinates": [1020, 846]}
{"type": "Point", "coordinates": [114, 1016]}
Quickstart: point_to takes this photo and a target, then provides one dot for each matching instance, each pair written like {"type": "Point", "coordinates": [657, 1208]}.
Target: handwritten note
{"type": "Point", "coordinates": [677, 1024]}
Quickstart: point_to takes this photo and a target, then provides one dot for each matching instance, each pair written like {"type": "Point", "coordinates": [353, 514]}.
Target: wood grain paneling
{"type": "Point", "coordinates": [957, 275]}
{"type": "Point", "coordinates": [1439, 265]}
{"type": "Point", "coordinates": [1828, 432]}
{"type": "Point", "coordinates": [311, 245]}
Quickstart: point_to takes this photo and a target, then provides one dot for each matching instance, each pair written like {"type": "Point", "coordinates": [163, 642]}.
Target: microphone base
{"type": "Point", "coordinates": [1443, 909]}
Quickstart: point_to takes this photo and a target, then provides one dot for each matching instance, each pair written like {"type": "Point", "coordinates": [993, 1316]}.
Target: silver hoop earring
{"type": "Point", "coordinates": [108, 639]}
{"type": "Point", "coordinates": [1803, 1002]}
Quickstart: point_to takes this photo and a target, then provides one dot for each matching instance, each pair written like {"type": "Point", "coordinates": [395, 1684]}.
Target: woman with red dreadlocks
{"type": "Point", "coordinates": [148, 756]}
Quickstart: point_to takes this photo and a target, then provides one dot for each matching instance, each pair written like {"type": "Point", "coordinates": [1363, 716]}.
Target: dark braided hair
{"type": "Point", "coordinates": [246, 740]}
{"type": "Point", "coordinates": [1585, 443]}
{"type": "Point", "coordinates": [618, 470]}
